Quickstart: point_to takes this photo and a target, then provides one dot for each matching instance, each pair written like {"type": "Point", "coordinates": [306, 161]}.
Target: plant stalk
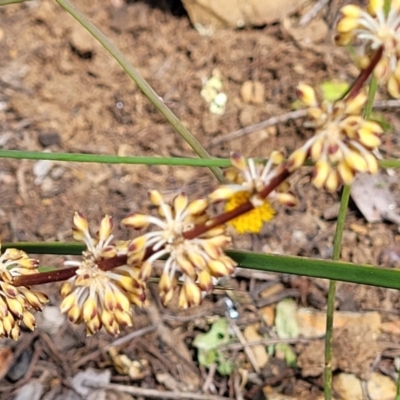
{"type": "Point", "coordinates": [7, 2]}
{"type": "Point", "coordinates": [337, 245]}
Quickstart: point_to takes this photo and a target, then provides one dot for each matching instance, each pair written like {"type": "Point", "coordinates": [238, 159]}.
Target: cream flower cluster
{"type": "Point", "coordinates": [94, 296]}
{"type": "Point", "coordinates": [374, 30]}
{"type": "Point", "coordinates": [343, 141]}
{"type": "Point", "coordinates": [194, 261]}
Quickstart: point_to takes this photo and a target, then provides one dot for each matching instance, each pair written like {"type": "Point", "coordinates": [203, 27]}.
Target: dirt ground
{"type": "Point", "coordinates": [61, 92]}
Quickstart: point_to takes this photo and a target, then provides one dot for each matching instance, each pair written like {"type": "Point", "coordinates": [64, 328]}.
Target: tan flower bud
{"type": "Point", "coordinates": [166, 297]}
{"type": "Point", "coordinates": [321, 172]}
{"type": "Point", "coordinates": [238, 161]}
{"type": "Point", "coordinates": [29, 320]}
{"type": "Point", "coordinates": [197, 207]}
{"type": "Point", "coordinates": [123, 318]}
{"type": "Point", "coordinates": [180, 203]}
{"type": "Point", "coordinates": [193, 293]}
{"type": "Point", "coordinates": [306, 94]}
{"type": "Point", "coordinates": [374, 6]}
{"type": "Point", "coordinates": [155, 197]}
{"type": "Point", "coordinates": [186, 266]}
{"type": "Point", "coordinates": [347, 24]}
{"type": "Point", "coordinates": [372, 163]}
{"type": "Point", "coordinates": [110, 302]}
{"type": "Point", "coordinates": [81, 225]}
{"type": "Point", "coordinates": [165, 283]}
{"type": "Point", "coordinates": [15, 307]}
{"type": "Point", "coordinates": [316, 148]}
{"type": "Point", "coordinates": [355, 161]}
{"type": "Point", "coordinates": [136, 221]}
{"type": "Point", "coordinates": [89, 309]}
{"type": "Point", "coordinates": [344, 39]}
{"type": "Point", "coordinates": [106, 226]}
{"type": "Point", "coordinates": [357, 103]}
{"type": "Point", "coordinates": [145, 271]}
{"type": "Point", "coordinates": [220, 194]}
{"type": "Point", "coordinates": [15, 332]}
{"type": "Point", "coordinates": [68, 301]}
{"type": "Point", "coordinates": [297, 159]}
{"type": "Point", "coordinates": [205, 281]}
{"type": "Point", "coordinates": [74, 314]}
{"type": "Point", "coordinates": [382, 68]}
{"type": "Point", "coordinates": [218, 268]}
{"type": "Point", "coordinates": [393, 87]}
{"type": "Point", "coordinates": [346, 173]}
{"type": "Point", "coordinates": [93, 325]}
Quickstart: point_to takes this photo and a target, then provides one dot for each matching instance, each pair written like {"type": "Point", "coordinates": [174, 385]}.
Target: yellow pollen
{"type": "Point", "coordinates": [252, 221]}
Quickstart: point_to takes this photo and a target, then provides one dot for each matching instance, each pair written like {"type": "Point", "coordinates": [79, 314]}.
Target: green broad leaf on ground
{"type": "Point", "coordinates": [332, 90]}
{"type": "Point", "coordinates": [215, 337]}
{"type": "Point", "coordinates": [225, 367]}
{"type": "Point", "coordinates": [285, 320]}
{"type": "Point", "coordinates": [206, 358]}
{"type": "Point", "coordinates": [208, 343]}
{"type": "Point", "coordinates": [287, 352]}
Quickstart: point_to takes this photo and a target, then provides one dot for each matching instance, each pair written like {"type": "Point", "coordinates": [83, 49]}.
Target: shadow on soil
{"type": "Point", "coordinates": [174, 7]}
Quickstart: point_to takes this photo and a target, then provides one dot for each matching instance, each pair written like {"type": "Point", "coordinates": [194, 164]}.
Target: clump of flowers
{"type": "Point", "coordinates": [195, 262]}
{"type": "Point", "coordinates": [248, 179]}
{"type": "Point", "coordinates": [94, 296]}
{"type": "Point", "coordinates": [343, 143]}
{"type": "Point", "coordinates": [375, 30]}
{"type": "Point", "coordinates": [17, 303]}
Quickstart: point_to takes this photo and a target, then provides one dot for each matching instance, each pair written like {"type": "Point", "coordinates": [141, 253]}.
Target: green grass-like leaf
{"type": "Point", "coordinates": [337, 270]}
{"type": "Point", "coordinates": [342, 271]}
{"type": "Point", "coordinates": [105, 159]}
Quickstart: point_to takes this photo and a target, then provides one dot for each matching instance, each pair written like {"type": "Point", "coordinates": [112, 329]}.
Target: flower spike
{"type": "Point", "coordinates": [17, 303]}
{"type": "Point", "coordinates": [96, 297]}
{"type": "Point", "coordinates": [374, 30]}
{"type": "Point", "coordinates": [190, 260]}
{"type": "Point", "coordinates": [343, 143]}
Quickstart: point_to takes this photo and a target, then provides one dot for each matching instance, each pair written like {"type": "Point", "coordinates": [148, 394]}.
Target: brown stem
{"type": "Point", "coordinates": [45, 277]}
{"type": "Point", "coordinates": [108, 264]}
{"type": "Point", "coordinates": [364, 75]}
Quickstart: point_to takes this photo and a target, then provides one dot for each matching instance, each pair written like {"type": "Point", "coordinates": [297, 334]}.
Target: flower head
{"type": "Point", "coordinates": [94, 296]}
{"type": "Point", "coordinates": [16, 303]}
{"type": "Point", "coordinates": [248, 179]}
{"type": "Point", "coordinates": [343, 140]}
{"type": "Point", "coordinates": [375, 30]}
{"type": "Point", "coordinates": [196, 262]}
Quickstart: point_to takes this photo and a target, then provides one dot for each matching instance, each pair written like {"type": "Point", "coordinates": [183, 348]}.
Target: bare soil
{"type": "Point", "coordinates": [61, 92]}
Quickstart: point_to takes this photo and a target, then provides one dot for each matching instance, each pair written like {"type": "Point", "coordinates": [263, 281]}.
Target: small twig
{"type": "Point", "coordinates": [259, 275]}
{"type": "Point", "coordinates": [115, 343]}
{"type": "Point", "coordinates": [210, 377]}
{"type": "Point", "coordinates": [157, 394]}
{"type": "Point", "coordinates": [277, 297]}
{"type": "Point", "coordinates": [130, 336]}
{"type": "Point", "coordinates": [313, 12]}
{"type": "Point", "coordinates": [54, 352]}
{"type": "Point", "coordinates": [243, 342]}
{"type": "Point", "coordinates": [266, 342]}
{"type": "Point", "coordinates": [237, 386]}
{"type": "Point", "coordinates": [260, 125]}
{"type": "Point", "coordinates": [387, 104]}
{"type": "Point", "coordinates": [286, 117]}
